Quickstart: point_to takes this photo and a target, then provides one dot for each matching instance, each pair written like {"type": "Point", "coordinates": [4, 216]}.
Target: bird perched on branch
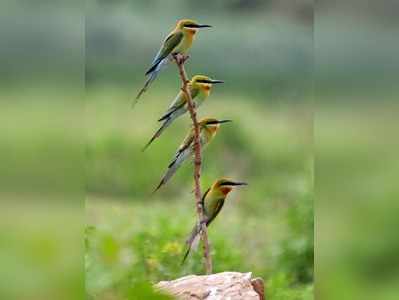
{"type": "Point", "coordinates": [212, 203]}
{"type": "Point", "coordinates": [208, 129]}
{"type": "Point", "coordinates": [199, 87]}
{"type": "Point", "coordinates": [178, 41]}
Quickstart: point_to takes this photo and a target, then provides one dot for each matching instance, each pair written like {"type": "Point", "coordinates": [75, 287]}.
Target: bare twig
{"type": "Point", "coordinates": [180, 60]}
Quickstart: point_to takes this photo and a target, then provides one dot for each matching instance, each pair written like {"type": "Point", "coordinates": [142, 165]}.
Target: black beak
{"type": "Point", "coordinates": [204, 26]}
{"type": "Point", "coordinates": [217, 81]}
{"type": "Point", "coordinates": [224, 121]}
{"type": "Point", "coordinates": [239, 183]}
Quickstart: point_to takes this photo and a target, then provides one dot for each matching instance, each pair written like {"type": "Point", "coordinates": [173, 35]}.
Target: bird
{"type": "Point", "coordinates": [212, 203]}
{"type": "Point", "coordinates": [208, 129]}
{"type": "Point", "coordinates": [200, 88]}
{"type": "Point", "coordinates": [179, 41]}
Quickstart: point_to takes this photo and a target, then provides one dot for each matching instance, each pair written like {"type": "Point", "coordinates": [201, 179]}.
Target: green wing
{"type": "Point", "coordinates": [203, 197]}
{"type": "Point", "coordinates": [170, 44]}
{"type": "Point", "coordinates": [178, 103]}
{"type": "Point", "coordinates": [218, 208]}
{"type": "Point", "coordinates": [188, 141]}
{"type": "Point", "coordinates": [167, 47]}
{"type": "Point", "coordinates": [194, 93]}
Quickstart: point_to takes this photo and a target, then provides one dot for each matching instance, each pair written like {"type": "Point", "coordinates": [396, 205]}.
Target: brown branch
{"type": "Point", "coordinates": [180, 60]}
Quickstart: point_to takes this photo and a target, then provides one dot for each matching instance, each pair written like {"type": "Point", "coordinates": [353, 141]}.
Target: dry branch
{"type": "Point", "coordinates": [180, 60]}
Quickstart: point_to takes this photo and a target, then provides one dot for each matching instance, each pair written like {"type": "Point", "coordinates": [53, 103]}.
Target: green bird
{"type": "Point", "coordinates": [200, 88]}
{"type": "Point", "coordinates": [212, 202]}
{"type": "Point", "coordinates": [208, 129]}
{"type": "Point", "coordinates": [178, 41]}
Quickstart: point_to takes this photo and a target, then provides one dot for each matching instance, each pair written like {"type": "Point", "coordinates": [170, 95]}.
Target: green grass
{"type": "Point", "coordinates": [133, 239]}
{"type": "Point", "coordinates": [265, 228]}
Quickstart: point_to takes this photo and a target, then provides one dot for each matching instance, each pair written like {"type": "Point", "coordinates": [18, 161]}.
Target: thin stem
{"type": "Point", "coordinates": [180, 60]}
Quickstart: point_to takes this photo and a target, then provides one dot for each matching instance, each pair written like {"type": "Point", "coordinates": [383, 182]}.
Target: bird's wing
{"type": "Point", "coordinates": [184, 151]}
{"type": "Point", "coordinates": [187, 142]}
{"type": "Point", "coordinates": [203, 199]}
{"type": "Point", "coordinates": [179, 102]}
{"type": "Point", "coordinates": [194, 93]}
{"type": "Point", "coordinates": [218, 208]}
{"type": "Point", "coordinates": [170, 44]}
{"type": "Point", "coordinates": [193, 238]}
{"type": "Point", "coordinates": [167, 47]}
{"type": "Point", "coordinates": [180, 157]}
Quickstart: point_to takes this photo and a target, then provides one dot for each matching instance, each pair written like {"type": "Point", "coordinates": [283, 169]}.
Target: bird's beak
{"type": "Point", "coordinates": [204, 26]}
{"type": "Point", "coordinates": [239, 183]}
{"type": "Point", "coordinates": [217, 81]}
{"type": "Point", "coordinates": [224, 121]}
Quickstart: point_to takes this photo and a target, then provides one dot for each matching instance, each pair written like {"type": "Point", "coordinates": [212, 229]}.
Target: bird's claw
{"type": "Point", "coordinates": [199, 225]}
{"type": "Point", "coordinates": [180, 58]}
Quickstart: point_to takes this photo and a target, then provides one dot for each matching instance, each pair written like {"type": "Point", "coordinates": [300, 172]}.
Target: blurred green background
{"type": "Point", "coordinates": [263, 50]}
{"type": "Point", "coordinates": [312, 90]}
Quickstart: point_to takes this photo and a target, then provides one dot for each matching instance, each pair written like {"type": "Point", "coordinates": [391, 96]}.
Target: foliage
{"type": "Point", "coordinates": [265, 228]}
{"type": "Point", "coordinates": [136, 246]}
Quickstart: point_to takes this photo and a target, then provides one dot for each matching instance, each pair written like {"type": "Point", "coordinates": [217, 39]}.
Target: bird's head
{"type": "Point", "coordinates": [212, 125]}
{"type": "Point", "coordinates": [190, 26]}
{"type": "Point", "coordinates": [203, 82]}
{"type": "Point", "coordinates": [224, 186]}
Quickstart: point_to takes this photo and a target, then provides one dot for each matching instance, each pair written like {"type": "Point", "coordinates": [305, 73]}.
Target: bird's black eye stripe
{"type": "Point", "coordinates": [191, 26]}
{"type": "Point", "coordinates": [212, 122]}
{"type": "Point", "coordinates": [227, 183]}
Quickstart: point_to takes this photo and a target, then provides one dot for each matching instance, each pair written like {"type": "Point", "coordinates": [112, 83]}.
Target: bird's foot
{"type": "Point", "coordinates": [200, 223]}
{"type": "Point", "coordinates": [185, 58]}
{"type": "Point", "coordinates": [180, 58]}
{"type": "Point", "coordinates": [176, 57]}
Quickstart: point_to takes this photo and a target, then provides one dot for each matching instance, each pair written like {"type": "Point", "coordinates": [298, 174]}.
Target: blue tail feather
{"type": "Point", "coordinates": [152, 75]}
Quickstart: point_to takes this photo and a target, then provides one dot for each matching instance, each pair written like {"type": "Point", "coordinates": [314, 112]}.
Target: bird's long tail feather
{"type": "Point", "coordinates": [154, 65]}
{"type": "Point", "coordinates": [192, 242]}
{"type": "Point", "coordinates": [152, 75]}
{"type": "Point", "coordinates": [158, 133]}
{"type": "Point", "coordinates": [173, 167]}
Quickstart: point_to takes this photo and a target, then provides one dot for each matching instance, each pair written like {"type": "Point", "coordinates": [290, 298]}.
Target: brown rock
{"type": "Point", "coordinates": [226, 285]}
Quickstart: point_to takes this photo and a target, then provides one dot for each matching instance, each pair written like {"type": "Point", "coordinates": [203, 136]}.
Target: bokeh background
{"type": "Point", "coordinates": [312, 89]}
{"type": "Point", "coordinates": [263, 50]}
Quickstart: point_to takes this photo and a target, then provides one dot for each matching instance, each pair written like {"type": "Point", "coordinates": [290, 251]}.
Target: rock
{"type": "Point", "coordinates": [226, 285]}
